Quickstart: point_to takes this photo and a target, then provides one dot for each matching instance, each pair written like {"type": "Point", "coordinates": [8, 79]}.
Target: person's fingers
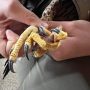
{"type": "Point", "coordinates": [11, 39]}
{"type": "Point", "coordinates": [3, 43]}
{"type": "Point", "coordinates": [67, 50]}
{"type": "Point", "coordinates": [67, 26]}
{"type": "Point", "coordinates": [19, 13]}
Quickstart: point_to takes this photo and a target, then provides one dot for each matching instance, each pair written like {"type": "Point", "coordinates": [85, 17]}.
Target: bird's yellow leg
{"type": "Point", "coordinates": [39, 40]}
{"type": "Point", "coordinates": [33, 38]}
{"type": "Point", "coordinates": [20, 42]}
{"type": "Point", "coordinates": [39, 52]}
{"type": "Point", "coordinates": [14, 53]}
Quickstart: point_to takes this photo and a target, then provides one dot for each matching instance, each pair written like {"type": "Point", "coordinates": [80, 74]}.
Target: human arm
{"type": "Point", "coordinates": [13, 9]}
{"type": "Point", "coordinates": [69, 49]}
{"type": "Point", "coordinates": [75, 45]}
{"type": "Point", "coordinates": [12, 17]}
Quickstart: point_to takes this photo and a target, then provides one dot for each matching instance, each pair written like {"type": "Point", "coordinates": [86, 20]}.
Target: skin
{"type": "Point", "coordinates": [10, 20]}
{"type": "Point", "coordinates": [77, 43]}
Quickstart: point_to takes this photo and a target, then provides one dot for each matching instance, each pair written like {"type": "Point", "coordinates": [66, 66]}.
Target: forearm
{"type": "Point", "coordinates": [18, 12]}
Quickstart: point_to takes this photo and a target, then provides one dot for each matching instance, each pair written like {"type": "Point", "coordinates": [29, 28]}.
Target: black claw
{"type": "Point", "coordinates": [55, 30]}
{"type": "Point", "coordinates": [6, 71]}
{"type": "Point", "coordinates": [26, 50]}
{"type": "Point", "coordinates": [5, 63]}
{"type": "Point", "coordinates": [11, 66]}
{"type": "Point", "coordinates": [41, 31]}
{"type": "Point", "coordinates": [8, 67]}
{"type": "Point", "coordinates": [34, 47]}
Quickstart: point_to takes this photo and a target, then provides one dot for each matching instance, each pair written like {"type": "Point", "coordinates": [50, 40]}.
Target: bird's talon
{"type": "Point", "coordinates": [5, 63]}
{"type": "Point", "coordinates": [41, 31]}
{"type": "Point", "coordinates": [11, 66]}
{"type": "Point", "coordinates": [55, 30]}
{"type": "Point", "coordinates": [8, 67]}
{"type": "Point", "coordinates": [26, 50]}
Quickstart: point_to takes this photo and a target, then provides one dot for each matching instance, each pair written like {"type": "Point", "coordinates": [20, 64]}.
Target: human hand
{"type": "Point", "coordinates": [11, 14]}
{"type": "Point", "coordinates": [7, 23]}
{"type": "Point", "coordinates": [14, 10]}
{"type": "Point", "coordinates": [76, 44]}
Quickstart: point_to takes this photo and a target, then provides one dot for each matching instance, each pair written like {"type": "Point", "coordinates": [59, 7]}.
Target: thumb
{"type": "Point", "coordinates": [11, 36]}
{"type": "Point", "coordinates": [11, 39]}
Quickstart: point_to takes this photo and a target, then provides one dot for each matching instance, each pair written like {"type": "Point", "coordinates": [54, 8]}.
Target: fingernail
{"type": "Point", "coordinates": [9, 32]}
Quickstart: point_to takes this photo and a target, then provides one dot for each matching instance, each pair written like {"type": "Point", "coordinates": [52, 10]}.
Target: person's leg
{"type": "Point", "coordinates": [23, 67]}
{"type": "Point", "coordinates": [47, 74]}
